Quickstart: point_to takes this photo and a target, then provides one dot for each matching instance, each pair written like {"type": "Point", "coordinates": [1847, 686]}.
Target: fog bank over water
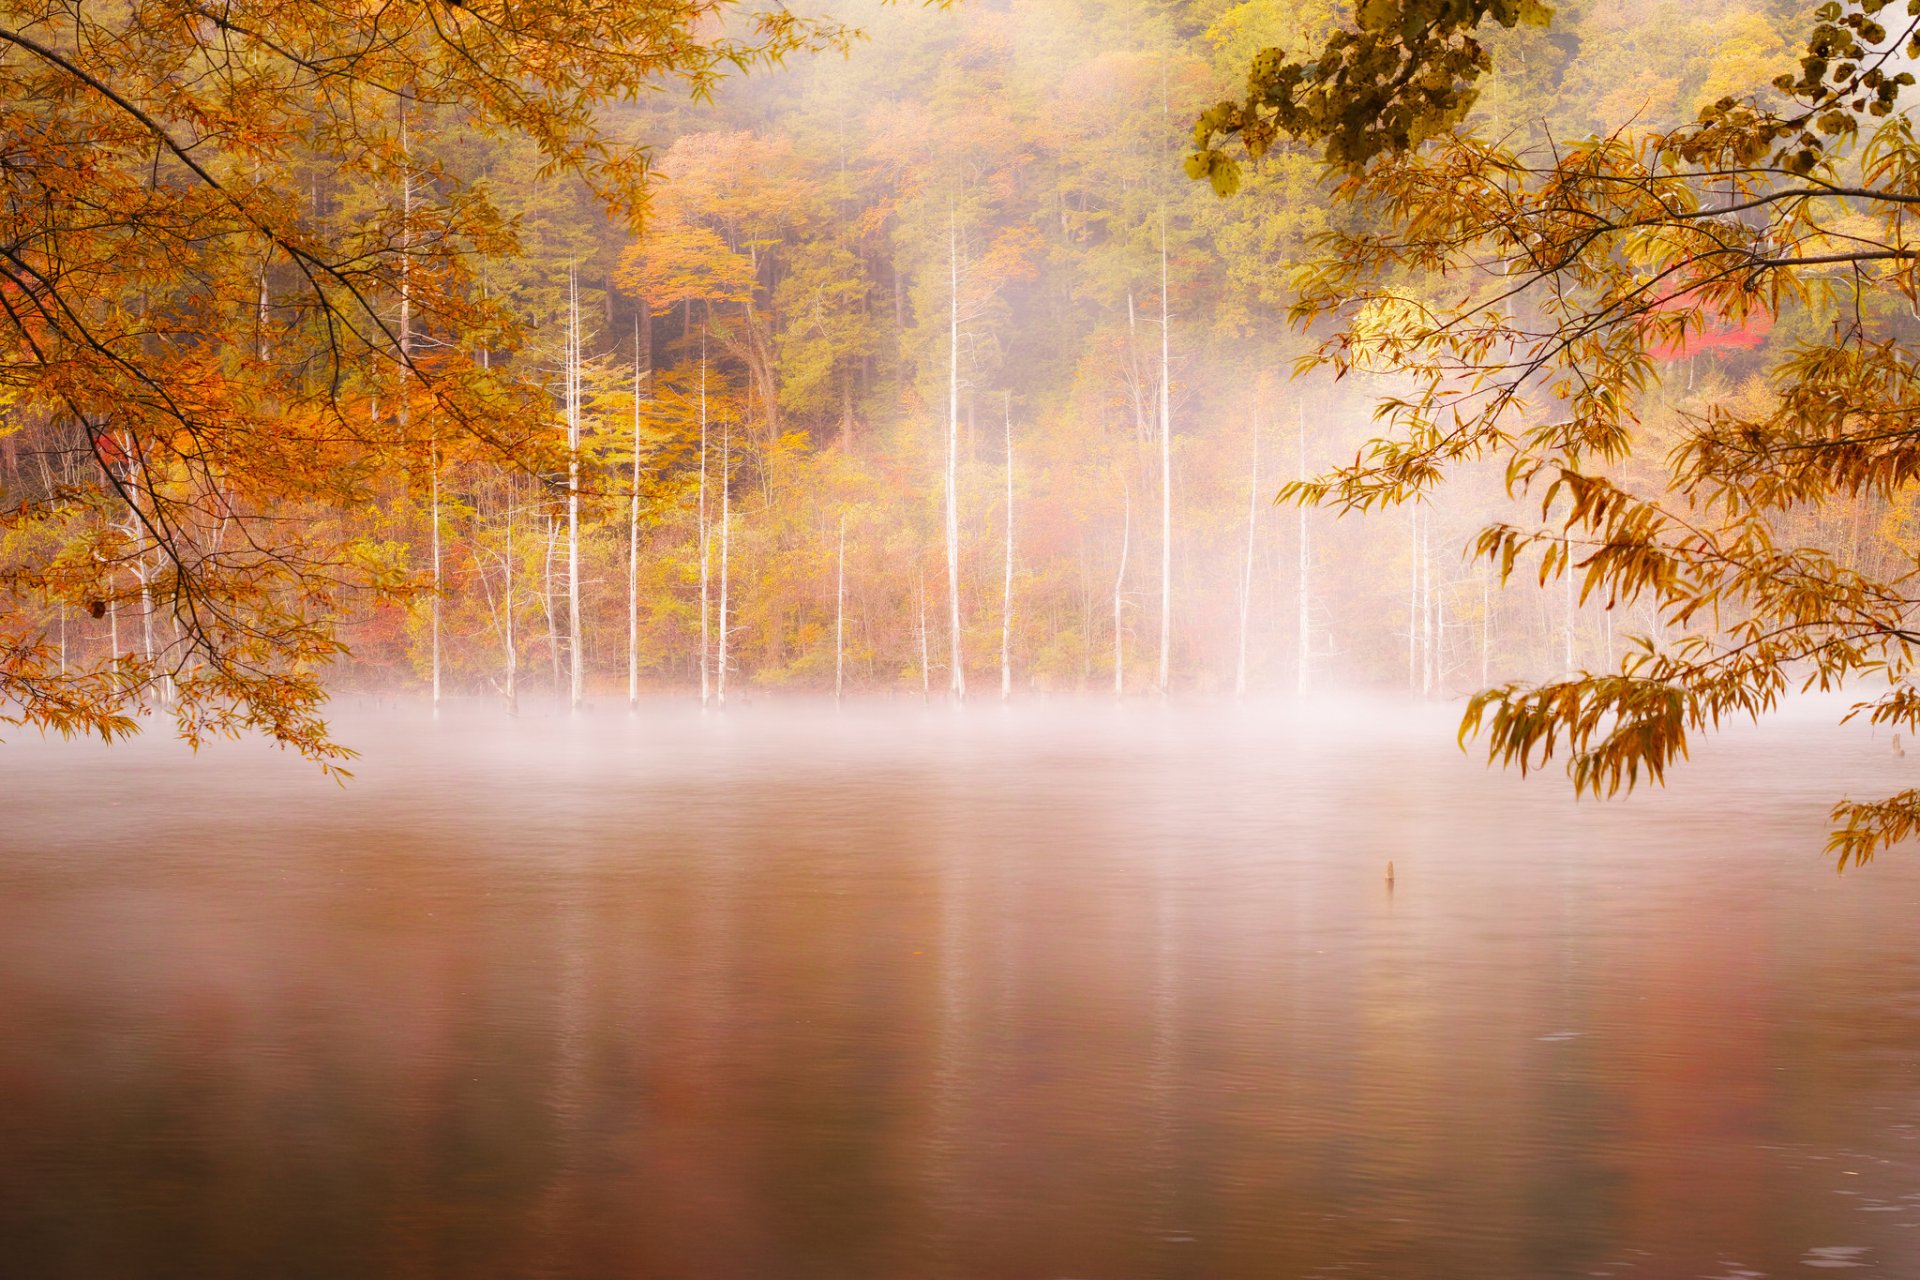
{"type": "Point", "coordinates": [1064, 989]}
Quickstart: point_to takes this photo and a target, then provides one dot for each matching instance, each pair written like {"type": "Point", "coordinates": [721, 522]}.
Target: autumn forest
{"type": "Point", "coordinates": [698, 638]}
{"type": "Point", "coordinates": [707, 442]}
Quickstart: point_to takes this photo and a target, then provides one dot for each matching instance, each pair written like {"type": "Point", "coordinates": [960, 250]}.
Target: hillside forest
{"type": "Point", "coordinates": [923, 369]}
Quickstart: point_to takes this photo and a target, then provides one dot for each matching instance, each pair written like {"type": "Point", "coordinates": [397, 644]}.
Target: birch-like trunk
{"type": "Point", "coordinates": [143, 573]}
{"type": "Point", "coordinates": [1246, 572]}
{"type": "Point", "coordinates": [926, 669]}
{"type": "Point", "coordinates": [1086, 615]}
{"type": "Point", "coordinates": [1486, 622]}
{"type": "Point", "coordinates": [1119, 592]}
{"type": "Point", "coordinates": [1303, 594]}
{"type": "Point", "coordinates": [433, 453]}
{"type": "Point", "coordinates": [1136, 380]}
{"type": "Point", "coordinates": [1006, 602]}
{"type": "Point", "coordinates": [706, 558]}
{"type": "Point", "coordinates": [546, 601]}
{"type": "Point", "coordinates": [958, 683]}
{"type": "Point", "coordinates": [1414, 601]}
{"type": "Point", "coordinates": [840, 617]}
{"type": "Point", "coordinates": [633, 541]}
{"type": "Point", "coordinates": [576, 675]}
{"type": "Point", "coordinates": [1166, 472]}
{"type": "Point", "coordinates": [1426, 606]}
{"type": "Point", "coordinates": [511, 691]}
{"type": "Point", "coordinates": [405, 336]}
{"type": "Point", "coordinates": [1566, 577]}
{"type": "Point", "coordinates": [726, 528]}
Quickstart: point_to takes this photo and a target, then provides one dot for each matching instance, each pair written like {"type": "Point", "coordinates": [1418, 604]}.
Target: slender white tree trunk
{"type": "Point", "coordinates": [1136, 380]}
{"type": "Point", "coordinates": [511, 692]}
{"type": "Point", "coordinates": [1303, 594]}
{"type": "Point", "coordinates": [546, 601]}
{"type": "Point", "coordinates": [958, 683]}
{"type": "Point", "coordinates": [265, 312]}
{"type": "Point", "coordinates": [726, 529]}
{"type": "Point", "coordinates": [1414, 601]}
{"type": "Point", "coordinates": [144, 574]}
{"type": "Point", "coordinates": [1246, 572]}
{"type": "Point", "coordinates": [706, 558]}
{"type": "Point", "coordinates": [1119, 591]}
{"type": "Point", "coordinates": [926, 668]}
{"type": "Point", "coordinates": [434, 462]}
{"type": "Point", "coordinates": [633, 541]}
{"type": "Point", "coordinates": [1426, 605]}
{"type": "Point", "coordinates": [1166, 471]}
{"type": "Point", "coordinates": [1566, 577]}
{"type": "Point", "coordinates": [1006, 602]}
{"type": "Point", "coordinates": [840, 617]}
{"type": "Point", "coordinates": [576, 681]}
{"type": "Point", "coordinates": [405, 335]}
{"type": "Point", "coordinates": [1486, 623]}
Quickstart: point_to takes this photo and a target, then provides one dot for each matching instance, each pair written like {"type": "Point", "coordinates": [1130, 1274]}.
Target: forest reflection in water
{"type": "Point", "coordinates": [1067, 990]}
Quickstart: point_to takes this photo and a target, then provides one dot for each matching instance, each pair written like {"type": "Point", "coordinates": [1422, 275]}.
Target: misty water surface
{"type": "Point", "coordinates": [1056, 991]}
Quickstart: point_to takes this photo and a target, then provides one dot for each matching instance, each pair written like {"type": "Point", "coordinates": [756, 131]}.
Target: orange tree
{"type": "Point", "coordinates": [1521, 290]}
{"type": "Point", "coordinates": [238, 287]}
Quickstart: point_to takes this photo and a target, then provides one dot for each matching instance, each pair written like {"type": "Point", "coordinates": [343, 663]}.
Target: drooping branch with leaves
{"type": "Point", "coordinates": [207, 356]}
{"type": "Point", "coordinates": [1526, 298]}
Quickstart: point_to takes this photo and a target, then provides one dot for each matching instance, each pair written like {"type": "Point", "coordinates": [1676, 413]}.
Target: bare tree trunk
{"type": "Point", "coordinates": [1136, 380]}
{"type": "Point", "coordinates": [512, 690]}
{"type": "Point", "coordinates": [1119, 590]}
{"type": "Point", "coordinates": [705, 543]}
{"type": "Point", "coordinates": [144, 575]}
{"type": "Point", "coordinates": [546, 600]}
{"type": "Point", "coordinates": [726, 529]}
{"type": "Point", "coordinates": [405, 336]}
{"type": "Point", "coordinates": [1414, 603]}
{"type": "Point", "coordinates": [926, 670]}
{"type": "Point", "coordinates": [958, 679]}
{"type": "Point", "coordinates": [1566, 577]}
{"type": "Point", "coordinates": [1486, 622]}
{"type": "Point", "coordinates": [1246, 573]}
{"type": "Point", "coordinates": [1426, 605]}
{"type": "Point", "coordinates": [1303, 593]}
{"type": "Point", "coordinates": [1086, 616]}
{"type": "Point", "coordinates": [840, 617]}
{"type": "Point", "coordinates": [576, 683]}
{"type": "Point", "coordinates": [434, 462]}
{"type": "Point", "coordinates": [1166, 471]}
{"type": "Point", "coordinates": [1006, 603]}
{"type": "Point", "coordinates": [633, 540]}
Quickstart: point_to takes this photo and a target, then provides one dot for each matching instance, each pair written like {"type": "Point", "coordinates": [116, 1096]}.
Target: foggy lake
{"type": "Point", "coordinates": [1062, 990]}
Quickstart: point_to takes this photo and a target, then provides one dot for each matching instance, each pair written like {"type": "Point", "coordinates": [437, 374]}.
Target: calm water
{"type": "Point", "coordinates": [1092, 992]}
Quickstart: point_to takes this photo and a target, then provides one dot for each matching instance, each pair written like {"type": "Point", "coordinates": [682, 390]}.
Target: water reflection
{"type": "Point", "coordinates": [1067, 992]}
